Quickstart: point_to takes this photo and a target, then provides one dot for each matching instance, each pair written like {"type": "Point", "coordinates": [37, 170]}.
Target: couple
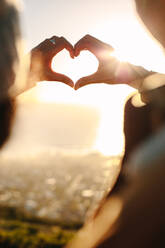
{"type": "Point", "coordinates": [135, 215]}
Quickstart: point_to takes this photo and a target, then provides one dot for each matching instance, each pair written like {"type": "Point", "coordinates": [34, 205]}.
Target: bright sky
{"type": "Point", "coordinates": [114, 22]}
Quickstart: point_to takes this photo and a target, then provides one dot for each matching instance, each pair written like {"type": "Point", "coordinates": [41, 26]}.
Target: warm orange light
{"type": "Point", "coordinates": [83, 65]}
{"type": "Point", "coordinates": [132, 44]}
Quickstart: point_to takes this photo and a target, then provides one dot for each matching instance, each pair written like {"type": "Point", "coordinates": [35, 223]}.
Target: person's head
{"type": "Point", "coordinates": [9, 38]}
{"type": "Point", "coordinates": [9, 59]}
{"type": "Point", "coordinates": [152, 13]}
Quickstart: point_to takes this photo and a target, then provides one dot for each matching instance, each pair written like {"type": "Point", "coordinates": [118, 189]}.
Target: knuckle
{"type": "Point", "coordinates": [55, 37]}
{"type": "Point", "coordinates": [62, 39]}
{"type": "Point", "coordinates": [87, 36]}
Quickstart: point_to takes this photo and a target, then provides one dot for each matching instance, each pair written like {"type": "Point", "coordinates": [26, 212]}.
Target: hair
{"type": "Point", "coordinates": [9, 35]}
{"type": "Point", "coordinates": [7, 114]}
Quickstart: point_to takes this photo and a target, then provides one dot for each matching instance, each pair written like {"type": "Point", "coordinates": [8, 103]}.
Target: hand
{"type": "Point", "coordinates": [110, 70]}
{"type": "Point", "coordinates": [41, 58]}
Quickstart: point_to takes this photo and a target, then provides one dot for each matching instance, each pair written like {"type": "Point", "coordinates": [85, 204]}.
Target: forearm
{"type": "Point", "coordinates": [23, 77]}
{"type": "Point", "coordinates": [132, 75]}
{"type": "Point", "coordinates": [28, 74]}
{"type": "Point", "coordinates": [140, 75]}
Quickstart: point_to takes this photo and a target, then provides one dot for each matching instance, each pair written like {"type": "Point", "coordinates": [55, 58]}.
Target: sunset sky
{"type": "Point", "coordinates": [114, 22]}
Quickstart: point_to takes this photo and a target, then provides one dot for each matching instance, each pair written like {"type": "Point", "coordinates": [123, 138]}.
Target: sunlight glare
{"type": "Point", "coordinates": [107, 99]}
{"type": "Point", "coordinates": [113, 22]}
{"type": "Point", "coordinates": [81, 66]}
{"type": "Point", "coordinates": [121, 56]}
{"type": "Point", "coordinates": [110, 139]}
{"type": "Point", "coordinates": [132, 43]}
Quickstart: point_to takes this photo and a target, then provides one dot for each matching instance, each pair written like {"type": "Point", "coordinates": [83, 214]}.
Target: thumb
{"type": "Point", "coordinates": [92, 79]}
{"type": "Point", "coordinates": [60, 78]}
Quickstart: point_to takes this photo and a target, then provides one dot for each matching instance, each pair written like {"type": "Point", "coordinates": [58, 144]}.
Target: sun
{"type": "Point", "coordinates": [132, 42]}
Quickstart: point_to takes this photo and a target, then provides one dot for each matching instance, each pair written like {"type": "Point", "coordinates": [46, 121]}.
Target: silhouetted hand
{"type": "Point", "coordinates": [41, 58]}
{"type": "Point", "coordinates": [110, 70]}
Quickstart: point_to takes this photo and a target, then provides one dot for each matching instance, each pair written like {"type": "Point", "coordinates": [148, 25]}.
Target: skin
{"type": "Point", "coordinates": [41, 58]}
{"type": "Point", "coordinates": [12, 61]}
{"type": "Point", "coordinates": [141, 220]}
{"type": "Point", "coordinates": [152, 13]}
{"type": "Point", "coordinates": [110, 70]}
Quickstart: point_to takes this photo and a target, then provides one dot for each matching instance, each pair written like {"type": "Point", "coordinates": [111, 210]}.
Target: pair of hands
{"type": "Point", "coordinates": [109, 71]}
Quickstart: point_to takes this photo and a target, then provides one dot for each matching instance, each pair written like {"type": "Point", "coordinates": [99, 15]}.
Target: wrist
{"type": "Point", "coordinates": [133, 75]}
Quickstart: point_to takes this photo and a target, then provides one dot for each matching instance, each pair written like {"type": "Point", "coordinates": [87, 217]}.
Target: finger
{"type": "Point", "coordinates": [54, 37]}
{"type": "Point", "coordinates": [46, 48]}
{"type": "Point", "coordinates": [61, 43]}
{"type": "Point", "coordinates": [92, 79]}
{"type": "Point", "coordinates": [98, 42]}
{"type": "Point", "coordinates": [83, 44]}
{"type": "Point", "coordinates": [47, 45]}
{"type": "Point", "coordinates": [53, 76]}
{"type": "Point", "coordinates": [93, 45]}
{"type": "Point", "coordinates": [68, 46]}
{"type": "Point", "coordinates": [54, 45]}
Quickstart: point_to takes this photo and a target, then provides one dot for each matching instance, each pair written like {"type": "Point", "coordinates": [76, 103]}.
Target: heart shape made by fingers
{"type": "Point", "coordinates": [83, 65]}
